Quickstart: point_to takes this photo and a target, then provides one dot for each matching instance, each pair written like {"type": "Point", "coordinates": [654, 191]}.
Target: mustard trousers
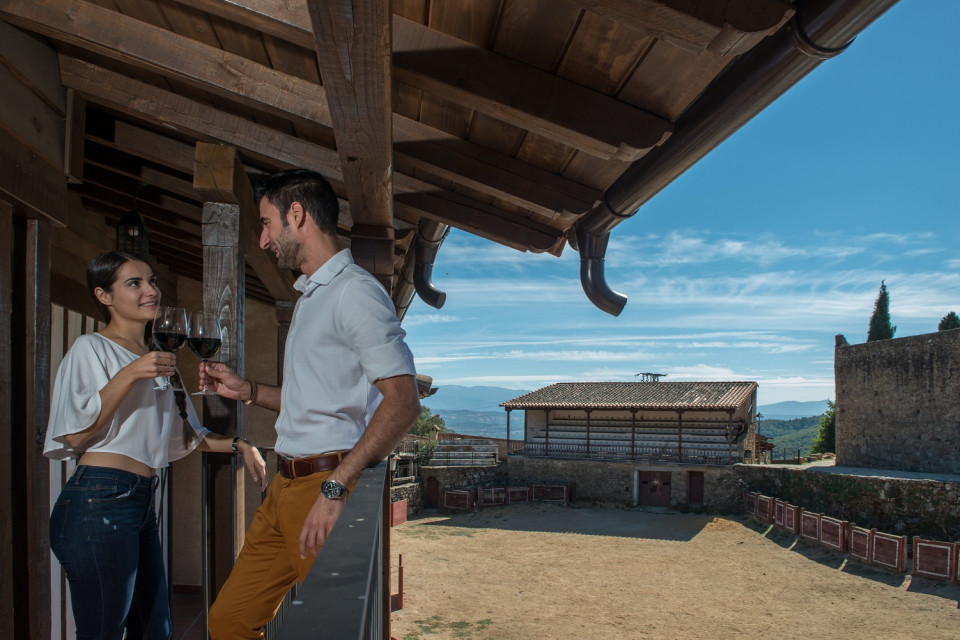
{"type": "Point", "coordinates": [269, 563]}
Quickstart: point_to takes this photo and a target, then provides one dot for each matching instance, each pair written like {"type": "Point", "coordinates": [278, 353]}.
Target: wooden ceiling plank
{"type": "Point", "coordinates": [603, 53]}
{"type": "Point", "coordinates": [722, 27]}
{"type": "Point", "coordinates": [153, 146]}
{"type": "Point", "coordinates": [353, 47]}
{"type": "Point", "coordinates": [537, 31]}
{"type": "Point", "coordinates": [27, 179]}
{"type": "Point", "coordinates": [552, 106]}
{"type": "Point", "coordinates": [471, 20]}
{"type": "Point", "coordinates": [219, 177]}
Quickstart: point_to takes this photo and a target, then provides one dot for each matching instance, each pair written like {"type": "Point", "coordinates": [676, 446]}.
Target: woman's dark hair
{"type": "Point", "coordinates": [309, 188]}
{"type": "Point", "coordinates": [102, 273]}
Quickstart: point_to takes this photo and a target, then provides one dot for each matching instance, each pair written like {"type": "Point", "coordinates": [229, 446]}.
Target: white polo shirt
{"type": "Point", "coordinates": [343, 337]}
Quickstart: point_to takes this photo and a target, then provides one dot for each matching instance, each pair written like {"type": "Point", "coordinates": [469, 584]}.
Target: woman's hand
{"type": "Point", "coordinates": [254, 463]}
{"type": "Point", "coordinates": [153, 365]}
{"type": "Point", "coordinates": [218, 377]}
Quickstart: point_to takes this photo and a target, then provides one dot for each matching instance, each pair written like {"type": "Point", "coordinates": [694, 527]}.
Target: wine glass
{"type": "Point", "coordinates": [204, 340]}
{"type": "Point", "coordinates": [170, 330]}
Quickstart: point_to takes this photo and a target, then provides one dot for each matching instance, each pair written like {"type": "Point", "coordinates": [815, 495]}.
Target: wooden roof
{"type": "Point", "coordinates": [703, 396]}
{"type": "Point", "coordinates": [533, 123]}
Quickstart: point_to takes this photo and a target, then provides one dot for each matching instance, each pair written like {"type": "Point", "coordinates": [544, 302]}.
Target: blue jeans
{"type": "Point", "coordinates": [103, 530]}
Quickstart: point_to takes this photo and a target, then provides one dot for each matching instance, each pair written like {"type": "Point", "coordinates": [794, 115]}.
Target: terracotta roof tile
{"type": "Point", "coordinates": [640, 395]}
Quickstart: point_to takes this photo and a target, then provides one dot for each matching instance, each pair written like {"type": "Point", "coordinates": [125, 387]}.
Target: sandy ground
{"type": "Point", "coordinates": [538, 572]}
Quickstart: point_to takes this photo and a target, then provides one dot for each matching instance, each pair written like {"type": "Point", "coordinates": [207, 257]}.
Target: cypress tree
{"type": "Point", "coordinates": [949, 321]}
{"type": "Point", "coordinates": [826, 440]}
{"type": "Point", "coordinates": [880, 327]}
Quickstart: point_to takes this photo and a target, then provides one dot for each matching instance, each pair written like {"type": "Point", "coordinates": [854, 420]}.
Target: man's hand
{"type": "Point", "coordinates": [316, 528]}
{"type": "Point", "coordinates": [254, 463]}
{"type": "Point", "coordinates": [218, 377]}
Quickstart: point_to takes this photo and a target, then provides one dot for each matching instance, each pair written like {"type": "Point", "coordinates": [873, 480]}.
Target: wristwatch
{"type": "Point", "coordinates": [333, 490]}
{"type": "Point", "coordinates": [236, 441]}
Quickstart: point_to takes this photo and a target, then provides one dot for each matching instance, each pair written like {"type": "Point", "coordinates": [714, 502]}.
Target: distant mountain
{"type": "Point", "coordinates": [458, 398]}
{"type": "Point", "coordinates": [793, 409]}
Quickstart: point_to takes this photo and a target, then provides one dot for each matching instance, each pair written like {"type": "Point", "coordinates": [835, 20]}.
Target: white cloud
{"type": "Point", "coordinates": [413, 320]}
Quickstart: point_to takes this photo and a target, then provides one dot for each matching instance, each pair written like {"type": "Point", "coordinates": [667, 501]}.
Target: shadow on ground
{"type": "Point", "coordinates": [588, 521]}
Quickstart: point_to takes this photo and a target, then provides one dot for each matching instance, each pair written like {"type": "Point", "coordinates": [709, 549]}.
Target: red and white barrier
{"type": "Point", "coordinates": [934, 559]}
{"type": "Point", "coordinates": [810, 525]}
{"type": "Point", "coordinates": [833, 533]}
{"type": "Point", "coordinates": [888, 551]}
{"type": "Point", "coordinates": [861, 541]}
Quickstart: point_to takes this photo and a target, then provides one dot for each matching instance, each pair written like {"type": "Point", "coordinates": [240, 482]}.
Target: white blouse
{"type": "Point", "coordinates": [146, 426]}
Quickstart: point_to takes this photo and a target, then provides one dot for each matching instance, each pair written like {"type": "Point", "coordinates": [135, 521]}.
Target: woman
{"type": "Point", "coordinates": [107, 412]}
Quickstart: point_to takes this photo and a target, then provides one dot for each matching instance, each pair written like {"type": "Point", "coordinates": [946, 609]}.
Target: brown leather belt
{"type": "Point", "coordinates": [299, 467]}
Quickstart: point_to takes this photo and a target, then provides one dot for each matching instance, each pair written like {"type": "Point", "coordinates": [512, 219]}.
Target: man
{"type": "Point", "coordinates": [348, 395]}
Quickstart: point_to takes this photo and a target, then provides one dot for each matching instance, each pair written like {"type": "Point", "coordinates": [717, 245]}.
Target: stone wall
{"type": "Point", "coordinates": [898, 403]}
{"type": "Point", "coordinates": [926, 508]}
{"type": "Point", "coordinates": [616, 482]}
{"type": "Point", "coordinates": [411, 493]}
{"type": "Point", "coordinates": [465, 477]}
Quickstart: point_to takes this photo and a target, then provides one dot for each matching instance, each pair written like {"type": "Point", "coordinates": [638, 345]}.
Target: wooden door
{"type": "Point", "coordinates": [654, 488]}
{"type": "Point", "coordinates": [695, 487]}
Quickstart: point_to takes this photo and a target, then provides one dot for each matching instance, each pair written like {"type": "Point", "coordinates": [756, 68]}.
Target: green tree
{"type": "Point", "coordinates": [949, 321]}
{"type": "Point", "coordinates": [880, 327]}
{"type": "Point", "coordinates": [826, 440]}
{"type": "Point", "coordinates": [426, 420]}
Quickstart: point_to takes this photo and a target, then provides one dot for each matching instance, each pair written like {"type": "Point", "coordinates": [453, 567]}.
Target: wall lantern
{"type": "Point", "coordinates": [132, 235]}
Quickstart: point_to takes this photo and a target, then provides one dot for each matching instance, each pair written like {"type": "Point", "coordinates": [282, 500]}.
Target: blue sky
{"type": "Point", "coordinates": [748, 265]}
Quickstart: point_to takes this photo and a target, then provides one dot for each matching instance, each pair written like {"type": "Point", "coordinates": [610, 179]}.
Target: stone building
{"type": "Point", "coordinates": [898, 403]}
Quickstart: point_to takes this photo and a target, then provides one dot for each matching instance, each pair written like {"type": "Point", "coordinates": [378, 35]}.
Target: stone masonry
{"type": "Point", "coordinates": [898, 403]}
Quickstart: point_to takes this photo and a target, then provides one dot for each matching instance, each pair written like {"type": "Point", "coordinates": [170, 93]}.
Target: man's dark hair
{"type": "Point", "coordinates": [309, 188]}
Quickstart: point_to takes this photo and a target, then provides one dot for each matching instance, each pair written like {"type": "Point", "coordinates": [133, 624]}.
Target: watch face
{"type": "Point", "coordinates": [332, 489]}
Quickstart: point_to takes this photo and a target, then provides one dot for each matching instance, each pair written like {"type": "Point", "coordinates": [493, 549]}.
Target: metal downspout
{"type": "Point", "coordinates": [820, 29]}
{"type": "Point", "coordinates": [430, 235]}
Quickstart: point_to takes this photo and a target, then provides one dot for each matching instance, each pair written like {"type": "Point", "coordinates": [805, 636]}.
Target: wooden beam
{"type": "Point", "coordinates": [6, 420]}
{"type": "Point", "coordinates": [453, 210]}
{"type": "Point", "coordinates": [353, 47]}
{"type": "Point", "coordinates": [521, 95]}
{"type": "Point", "coordinates": [131, 41]}
{"type": "Point", "coordinates": [76, 120]}
{"type": "Point", "coordinates": [28, 179]}
{"type": "Point", "coordinates": [141, 100]}
{"type": "Point", "coordinates": [219, 177]}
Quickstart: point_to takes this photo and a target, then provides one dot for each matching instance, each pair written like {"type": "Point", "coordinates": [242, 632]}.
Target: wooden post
{"type": "Point", "coordinates": [6, 379]}
{"type": "Point", "coordinates": [546, 432]}
{"type": "Point", "coordinates": [223, 296]}
{"type": "Point", "coordinates": [508, 431]}
{"type": "Point", "coordinates": [31, 361]}
{"type": "Point", "coordinates": [588, 431]}
{"type": "Point", "coordinates": [679, 435]}
{"type": "Point", "coordinates": [633, 434]}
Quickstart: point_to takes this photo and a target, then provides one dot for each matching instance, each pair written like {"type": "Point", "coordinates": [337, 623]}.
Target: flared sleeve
{"type": "Point", "coordinates": [75, 403]}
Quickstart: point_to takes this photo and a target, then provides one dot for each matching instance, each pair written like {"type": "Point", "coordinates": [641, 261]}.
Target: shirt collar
{"type": "Point", "coordinates": [327, 272]}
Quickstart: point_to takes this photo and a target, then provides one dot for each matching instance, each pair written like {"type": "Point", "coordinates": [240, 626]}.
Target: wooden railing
{"type": "Point", "coordinates": [626, 452]}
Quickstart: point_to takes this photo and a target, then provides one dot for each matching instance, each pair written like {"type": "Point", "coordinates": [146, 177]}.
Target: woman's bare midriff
{"type": "Point", "coordinates": [115, 461]}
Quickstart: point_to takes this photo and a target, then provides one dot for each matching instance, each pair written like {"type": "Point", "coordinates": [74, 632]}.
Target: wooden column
{"type": "Point", "coordinates": [546, 431]}
{"type": "Point", "coordinates": [633, 434]}
{"type": "Point", "coordinates": [6, 380]}
{"type": "Point", "coordinates": [223, 295]}
{"type": "Point", "coordinates": [588, 432]}
{"type": "Point", "coordinates": [729, 437]}
{"type": "Point", "coordinates": [679, 436]}
{"type": "Point", "coordinates": [30, 368]}
{"type": "Point", "coordinates": [508, 431]}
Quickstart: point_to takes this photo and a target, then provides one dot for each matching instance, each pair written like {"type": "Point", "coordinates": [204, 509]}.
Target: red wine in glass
{"type": "Point", "coordinates": [170, 331]}
{"type": "Point", "coordinates": [204, 340]}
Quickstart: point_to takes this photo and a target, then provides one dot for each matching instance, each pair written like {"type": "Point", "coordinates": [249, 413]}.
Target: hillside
{"type": "Point", "coordinates": [793, 409]}
{"type": "Point", "coordinates": [791, 435]}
